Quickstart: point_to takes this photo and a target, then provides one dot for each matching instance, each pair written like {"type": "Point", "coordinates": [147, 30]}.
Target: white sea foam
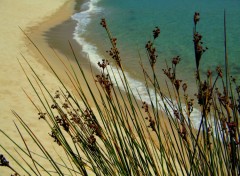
{"type": "Point", "coordinates": [83, 18]}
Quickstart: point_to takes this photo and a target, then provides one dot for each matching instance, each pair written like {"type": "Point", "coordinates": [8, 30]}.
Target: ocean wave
{"type": "Point", "coordinates": [138, 88]}
{"type": "Point", "coordinates": [84, 17]}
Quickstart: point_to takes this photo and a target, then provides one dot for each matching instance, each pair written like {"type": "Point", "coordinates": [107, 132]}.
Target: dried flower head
{"type": "Point", "coordinates": [103, 23]}
{"type": "Point", "coordinates": [3, 161]}
{"type": "Point", "coordinates": [196, 18]}
{"type": "Point", "coordinates": [105, 83]}
{"type": "Point", "coordinates": [169, 74]}
{"type": "Point", "coordinates": [199, 49]}
{"type": "Point", "coordinates": [114, 53]}
{"type": "Point", "coordinates": [114, 41]}
{"type": "Point", "coordinates": [151, 53]}
{"type": "Point", "coordinates": [156, 32]}
{"type": "Point", "coordinates": [54, 106]}
{"type": "Point", "coordinates": [42, 115]}
{"type": "Point", "coordinates": [152, 124]}
{"type": "Point", "coordinates": [65, 106]}
{"type": "Point", "coordinates": [54, 136]}
{"type": "Point", "coordinates": [145, 106]}
{"type": "Point", "coordinates": [177, 84]}
{"type": "Point", "coordinates": [57, 94]}
{"type": "Point", "coordinates": [104, 64]}
{"type": "Point", "coordinates": [75, 118]}
{"type": "Point", "coordinates": [176, 60]}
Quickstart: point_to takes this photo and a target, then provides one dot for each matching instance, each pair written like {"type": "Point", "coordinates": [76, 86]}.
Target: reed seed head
{"type": "Point", "coordinates": [196, 18]}
{"type": "Point", "coordinates": [42, 115]}
{"type": "Point", "coordinates": [57, 94]}
{"type": "Point", "coordinates": [156, 32]}
{"type": "Point", "coordinates": [176, 60]}
{"type": "Point", "coordinates": [103, 23]}
{"type": "Point", "coordinates": [3, 161]}
{"type": "Point", "coordinates": [151, 53]}
{"type": "Point", "coordinates": [54, 136]}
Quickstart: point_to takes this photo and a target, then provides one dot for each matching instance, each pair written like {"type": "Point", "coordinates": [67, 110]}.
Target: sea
{"type": "Point", "coordinates": [132, 23]}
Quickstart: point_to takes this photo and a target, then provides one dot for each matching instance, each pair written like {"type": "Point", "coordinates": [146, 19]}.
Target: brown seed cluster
{"type": "Point", "coordinates": [177, 84]}
{"type": "Point", "coordinates": [75, 117]}
{"type": "Point", "coordinates": [197, 40]}
{"type": "Point", "coordinates": [93, 128]}
{"type": "Point", "coordinates": [199, 49]}
{"type": "Point", "coordinates": [62, 106]}
{"type": "Point", "coordinates": [104, 64]}
{"type": "Point", "coordinates": [114, 53]}
{"type": "Point", "coordinates": [156, 32]}
{"type": "Point", "coordinates": [91, 122]}
{"type": "Point", "coordinates": [205, 95]}
{"type": "Point", "coordinates": [196, 18]}
{"type": "Point", "coordinates": [54, 136]}
{"type": "Point", "coordinates": [70, 118]}
{"type": "Point", "coordinates": [151, 121]}
{"type": "Point", "coordinates": [42, 115]}
{"type": "Point", "coordinates": [57, 94]}
{"type": "Point", "coordinates": [3, 161]}
{"type": "Point", "coordinates": [151, 53]}
{"type": "Point", "coordinates": [103, 23]}
{"type": "Point", "coordinates": [63, 121]}
{"type": "Point", "coordinates": [176, 60]}
{"type": "Point", "coordinates": [104, 79]}
{"type": "Point", "coordinates": [170, 72]}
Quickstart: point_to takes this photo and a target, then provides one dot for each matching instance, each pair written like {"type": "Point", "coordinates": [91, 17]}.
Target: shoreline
{"type": "Point", "coordinates": [52, 31]}
{"type": "Point", "coordinates": [54, 35]}
{"type": "Point", "coordinates": [57, 37]}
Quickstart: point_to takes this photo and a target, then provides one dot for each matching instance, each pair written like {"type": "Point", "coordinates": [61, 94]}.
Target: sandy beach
{"type": "Point", "coordinates": [49, 26]}
{"type": "Point", "coordinates": [27, 15]}
{"type": "Point", "coordinates": [36, 43]}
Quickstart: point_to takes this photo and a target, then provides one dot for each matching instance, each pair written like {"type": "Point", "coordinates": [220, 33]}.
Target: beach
{"type": "Point", "coordinates": [35, 31]}
{"type": "Point", "coordinates": [56, 32]}
{"type": "Point", "coordinates": [14, 45]}
{"type": "Point", "coordinates": [33, 36]}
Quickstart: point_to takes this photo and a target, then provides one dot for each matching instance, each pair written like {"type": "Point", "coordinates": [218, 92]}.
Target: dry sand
{"type": "Point", "coordinates": [24, 14]}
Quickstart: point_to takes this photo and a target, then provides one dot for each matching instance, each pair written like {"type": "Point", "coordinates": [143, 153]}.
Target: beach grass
{"type": "Point", "coordinates": [119, 135]}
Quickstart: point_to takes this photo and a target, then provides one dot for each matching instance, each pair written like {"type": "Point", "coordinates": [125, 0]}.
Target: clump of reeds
{"type": "Point", "coordinates": [118, 136]}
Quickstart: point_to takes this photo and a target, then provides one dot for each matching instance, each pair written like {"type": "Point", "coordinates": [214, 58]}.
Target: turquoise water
{"type": "Point", "coordinates": [132, 22]}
